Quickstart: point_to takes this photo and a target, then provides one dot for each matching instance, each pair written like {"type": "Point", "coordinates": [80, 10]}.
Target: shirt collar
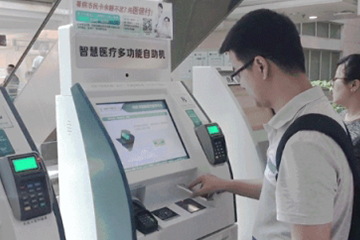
{"type": "Point", "coordinates": [288, 112]}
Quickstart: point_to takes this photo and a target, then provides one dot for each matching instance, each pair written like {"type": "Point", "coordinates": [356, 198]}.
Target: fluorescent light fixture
{"type": "Point", "coordinates": [313, 17]}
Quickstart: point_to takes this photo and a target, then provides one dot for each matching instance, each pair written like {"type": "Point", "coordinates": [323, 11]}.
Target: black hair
{"type": "Point", "coordinates": [269, 34]}
{"type": "Point", "coordinates": [11, 65]}
{"type": "Point", "coordinates": [351, 67]}
{"type": "Point", "coordinates": [160, 5]}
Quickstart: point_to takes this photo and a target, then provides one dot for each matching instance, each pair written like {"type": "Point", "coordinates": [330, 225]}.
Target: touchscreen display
{"type": "Point", "coordinates": [143, 132]}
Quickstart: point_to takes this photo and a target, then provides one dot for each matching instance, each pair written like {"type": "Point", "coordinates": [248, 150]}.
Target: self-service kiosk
{"type": "Point", "coordinates": [129, 138]}
{"type": "Point", "coordinates": [141, 152]}
{"type": "Point", "coordinates": [28, 207]}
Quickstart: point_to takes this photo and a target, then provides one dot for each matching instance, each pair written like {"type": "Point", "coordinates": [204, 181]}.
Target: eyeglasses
{"type": "Point", "coordinates": [235, 76]}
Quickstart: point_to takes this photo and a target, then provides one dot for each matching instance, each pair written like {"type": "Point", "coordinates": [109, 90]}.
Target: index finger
{"type": "Point", "coordinates": [195, 182]}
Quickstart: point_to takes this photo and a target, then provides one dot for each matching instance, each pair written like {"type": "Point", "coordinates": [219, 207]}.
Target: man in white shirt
{"type": "Point", "coordinates": [313, 195]}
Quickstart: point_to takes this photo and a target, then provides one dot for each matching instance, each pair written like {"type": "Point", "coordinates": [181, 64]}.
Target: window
{"type": "Point", "coordinates": [308, 29]}
{"type": "Point", "coordinates": [315, 65]}
{"type": "Point", "coordinates": [335, 31]}
{"type": "Point", "coordinates": [325, 66]}
{"type": "Point", "coordinates": [322, 29]}
{"type": "Point", "coordinates": [335, 57]}
{"type": "Point", "coordinates": [320, 64]}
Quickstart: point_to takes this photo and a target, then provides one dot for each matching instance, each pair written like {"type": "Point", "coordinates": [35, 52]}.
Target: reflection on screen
{"type": "Point", "coordinates": [143, 133]}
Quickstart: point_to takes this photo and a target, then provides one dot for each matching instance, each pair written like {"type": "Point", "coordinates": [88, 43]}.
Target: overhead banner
{"type": "Point", "coordinates": [125, 53]}
{"type": "Point", "coordinates": [130, 18]}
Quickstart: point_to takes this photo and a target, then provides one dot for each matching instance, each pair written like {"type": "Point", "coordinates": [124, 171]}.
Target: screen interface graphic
{"type": "Point", "coordinates": [143, 133]}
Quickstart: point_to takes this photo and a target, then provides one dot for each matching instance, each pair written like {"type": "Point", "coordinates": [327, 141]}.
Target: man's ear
{"type": "Point", "coordinates": [262, 66]}
{"type": "Point", "coordinates": [355, 85]}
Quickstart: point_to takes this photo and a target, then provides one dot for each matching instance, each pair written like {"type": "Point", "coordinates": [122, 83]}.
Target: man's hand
{"type": "Point", "coordinates": [209, 185]}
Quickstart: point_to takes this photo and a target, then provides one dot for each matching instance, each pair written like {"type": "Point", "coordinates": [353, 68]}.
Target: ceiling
{"type": "Point", "coordinates": [21, 15]}
{"type": "Point", "coordinates": [300, 10]}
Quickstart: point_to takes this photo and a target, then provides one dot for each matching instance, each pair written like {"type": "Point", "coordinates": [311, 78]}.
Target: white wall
{"type": "Point", "coordinates": [351, 36]}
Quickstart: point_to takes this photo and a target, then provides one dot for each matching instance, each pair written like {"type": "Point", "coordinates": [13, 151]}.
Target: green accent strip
{"type": "Point", "coordinates": [102, 18]}
{"type": "Point", "coordinates": [25, 164]}
{"type": "Point", "coordinates": [143, 106]}
{"type": "Point", "coordinates": [133, 116]}
{"type": "Point", "coordinates": [194, 118]}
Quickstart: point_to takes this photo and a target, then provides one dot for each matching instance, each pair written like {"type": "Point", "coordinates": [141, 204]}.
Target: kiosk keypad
{"type": "Point", "coordinates": [219, 149]}
{"type": "Point", "coordinates": [32, 196]}
{"type": "Point", "coordinates": [144, 220]}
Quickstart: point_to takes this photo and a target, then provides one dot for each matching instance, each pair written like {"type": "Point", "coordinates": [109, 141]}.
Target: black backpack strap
{"type": "Point", "coordinates": [325, 125]}
{"type": "Point", "coordinates": [331, 128]}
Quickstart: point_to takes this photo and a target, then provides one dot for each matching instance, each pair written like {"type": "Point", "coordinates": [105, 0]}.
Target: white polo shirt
{"type": "Point", "coordinates": [314, 185]}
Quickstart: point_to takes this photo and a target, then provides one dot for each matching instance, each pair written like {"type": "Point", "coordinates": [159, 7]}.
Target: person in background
{"type": "Point", "coordinates": [165, 30]}
{"type": "Point", "coordinates": [346, 93]}
{"type": "Point", "coordinates": [13, 83]}
{"type": "Point", "coordinates": [160, 18]}
{"type": "Point", "coordinates": [43, 49]}
{"type": "Point", "coordinates": [312, 197]}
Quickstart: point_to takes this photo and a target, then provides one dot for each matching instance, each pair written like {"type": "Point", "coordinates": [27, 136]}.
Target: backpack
{"type": "Point", "coordinates": [331, 128]}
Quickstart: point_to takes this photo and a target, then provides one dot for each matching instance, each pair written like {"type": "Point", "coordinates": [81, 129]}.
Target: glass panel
{"type": "Point", "coordinates": [325, 66]}
{"type": "Point", "coordinates": [323, 29]}
{"type": "Point", "coordinates": [308, 29]}
{"type": "Point", "coordinates": [335, 31]}
{"type": "Point", "coordinates": [315, 65]}
{"type": "Point", "coordinates": [18, 30]}
{"type": "Point", "coordinates": [335, 57]}
{"type": "Point", "coordinates": [36, 56]}
{"type": "Point", "coordinates": [306, 54]}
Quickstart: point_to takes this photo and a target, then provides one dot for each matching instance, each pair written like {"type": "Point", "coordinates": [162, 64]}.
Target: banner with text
{"type": "Point", "coordinates": [125, 53]}
{"type": "Point", "coordinates": [130, 18]}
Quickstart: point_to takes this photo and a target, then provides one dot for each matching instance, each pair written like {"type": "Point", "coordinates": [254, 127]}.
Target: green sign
{"type": "Point", "coordinates": [5, 145]}
{"type": "Point", "coordinates": [101, 18]}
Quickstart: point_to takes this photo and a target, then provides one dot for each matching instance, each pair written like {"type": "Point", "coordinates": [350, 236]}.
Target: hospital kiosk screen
{"type": "Point", "coordinates": [143, 132]}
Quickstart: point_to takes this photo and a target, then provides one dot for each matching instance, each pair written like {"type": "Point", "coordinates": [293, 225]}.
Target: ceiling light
{"type": "Point", "coordinates": [313, 17]}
